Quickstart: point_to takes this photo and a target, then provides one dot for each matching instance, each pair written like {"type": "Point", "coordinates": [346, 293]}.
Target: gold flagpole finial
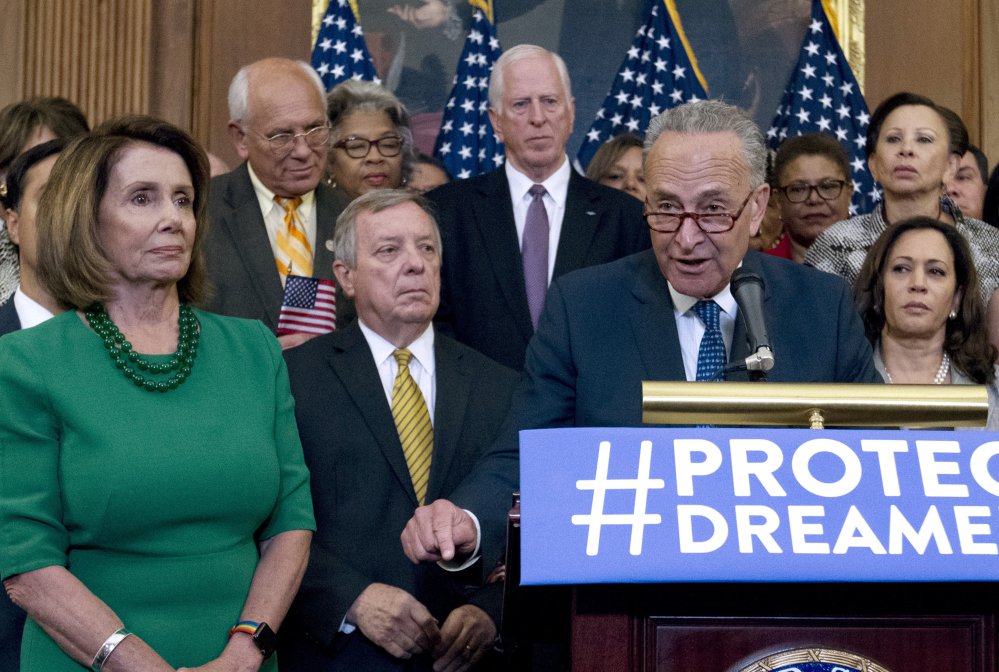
{"type": "Point", "coordinates": [486, 6]}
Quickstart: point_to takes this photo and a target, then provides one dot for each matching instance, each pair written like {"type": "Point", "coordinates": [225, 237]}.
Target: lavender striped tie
{"type": "Point", "coordinates": [535, 253]}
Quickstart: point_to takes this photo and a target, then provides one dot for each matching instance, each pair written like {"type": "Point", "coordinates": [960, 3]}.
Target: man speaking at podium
{"type": "Point", "coordinates": [669, 313]}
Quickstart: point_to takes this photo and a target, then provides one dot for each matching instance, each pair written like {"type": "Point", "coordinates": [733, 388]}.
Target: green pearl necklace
{"type": "Point", "coordinates": [133, 365]}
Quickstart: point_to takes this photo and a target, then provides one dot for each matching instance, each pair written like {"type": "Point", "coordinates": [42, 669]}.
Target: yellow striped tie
{"type": "Point", "coordinates": [294, 254]}
{"type": "Point", "coordinates": [412, 420]}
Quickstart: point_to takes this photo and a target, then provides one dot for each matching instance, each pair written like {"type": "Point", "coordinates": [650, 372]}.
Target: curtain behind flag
{"type": "Point", "coordinates": [658, 72]}
{"type": "Point", "coordinates": [466, 144]}
{"type": "Point", "coordinates": [823, 96]}
{"type": "Point", "coordinates": [340, 52]}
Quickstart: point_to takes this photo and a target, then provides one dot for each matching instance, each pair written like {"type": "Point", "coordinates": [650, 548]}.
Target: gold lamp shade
{"type": "Point", "coordinates": [814, 404]}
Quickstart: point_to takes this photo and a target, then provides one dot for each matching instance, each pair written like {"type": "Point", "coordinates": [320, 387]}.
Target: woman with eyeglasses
{"type": "Point", "coordinates": [372, 144]}
{"type": "Point", "coordinates": [911, 152]}
{"type": "Point", "coordinates": [813, 190]}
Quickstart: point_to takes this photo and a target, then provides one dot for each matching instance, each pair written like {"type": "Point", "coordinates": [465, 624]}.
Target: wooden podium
{"type": "Point", "coordinates": [745, 627]}
{"type": "Point", "coordinates": [725, 627]}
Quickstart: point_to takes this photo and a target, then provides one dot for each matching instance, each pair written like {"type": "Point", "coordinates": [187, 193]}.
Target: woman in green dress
{"type": "Point", "coordinates": [154, 505]}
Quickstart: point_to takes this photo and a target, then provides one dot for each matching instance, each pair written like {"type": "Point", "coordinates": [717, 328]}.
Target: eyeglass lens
{"type": "Point", "coordinates": [799, 192]}
{"type": "Point", "coordinates": [315, 137]}
{"type": "Point", "coordinates": [358, 148]}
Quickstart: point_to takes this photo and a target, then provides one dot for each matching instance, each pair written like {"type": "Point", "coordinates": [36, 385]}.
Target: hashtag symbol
{"type": "Point", "coordinates": [601, 484]}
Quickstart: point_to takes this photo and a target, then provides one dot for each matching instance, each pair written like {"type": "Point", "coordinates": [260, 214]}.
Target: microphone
{"type": "Point", "coordinates": [747, 288]}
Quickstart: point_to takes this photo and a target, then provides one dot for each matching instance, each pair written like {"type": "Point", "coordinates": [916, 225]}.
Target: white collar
{"type": "Point", "coordinates": [29, 311]}
{"type": "Point", "coordinates": [422, 348]}
{"type": "Point", "coordinates": [266, 197]}
{"type": "Point", "coordinates": [557, 184]}
{"type": "Point", "coordinates": [682, 303]}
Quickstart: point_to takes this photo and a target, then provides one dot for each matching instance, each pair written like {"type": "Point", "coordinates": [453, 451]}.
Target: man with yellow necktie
{"type": "Point", "coordinates": [393, 415]}
{"type": "Point", "coordinates": [271, 216]}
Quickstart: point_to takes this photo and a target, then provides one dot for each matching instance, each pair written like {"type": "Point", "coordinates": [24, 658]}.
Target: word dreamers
{"type": "Point", "coordinates": [871, 494]}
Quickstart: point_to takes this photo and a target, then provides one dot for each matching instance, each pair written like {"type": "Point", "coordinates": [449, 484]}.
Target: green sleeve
{"type": "Point", "coordinates": [293, 510]}
{"type": "Point", "coordinates": [32, 534]}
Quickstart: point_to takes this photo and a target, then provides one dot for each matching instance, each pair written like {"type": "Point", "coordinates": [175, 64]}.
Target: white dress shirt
{"type": "Point", "coordinates": [557, 186]}
{"type": "Point", "coordinates": [29, 312]}
{"type": "Point", "coordinates": [421, 366]}
{"type": "Point", "coordinates": [690, 329]}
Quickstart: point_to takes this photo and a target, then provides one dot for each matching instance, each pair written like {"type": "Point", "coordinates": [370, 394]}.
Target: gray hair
{"type": "Point", "coordinates": [714, 116]}
{"type": "Point", "coordinates": [354, 95]}
{"type": "Point", "coordinates": [239, 89]}
{"type": "Point", "coordinates": [519, 53]}
{"type": "Point", "coordinates": [344, 243]}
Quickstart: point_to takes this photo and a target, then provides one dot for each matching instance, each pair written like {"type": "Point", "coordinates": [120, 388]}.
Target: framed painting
{"type": "Point", "coordinates": [745, 49]}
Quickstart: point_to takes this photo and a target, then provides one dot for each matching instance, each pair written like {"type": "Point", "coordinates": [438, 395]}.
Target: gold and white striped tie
{"type": "Point", "coordinates": [294, 254]}
{"type": "Point", "coordinates": [412, 420]}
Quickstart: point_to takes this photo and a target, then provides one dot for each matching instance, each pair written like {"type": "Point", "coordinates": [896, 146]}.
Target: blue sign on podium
{"type": "Point", "coordinates": [626, 505]}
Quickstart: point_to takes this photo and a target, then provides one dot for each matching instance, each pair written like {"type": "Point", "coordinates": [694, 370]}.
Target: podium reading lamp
{"type": "Point", "coordinates": [814, 405]}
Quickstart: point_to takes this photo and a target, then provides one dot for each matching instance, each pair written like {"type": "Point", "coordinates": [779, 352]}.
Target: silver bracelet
{"type": "Point", "coordinates": [107, 648]}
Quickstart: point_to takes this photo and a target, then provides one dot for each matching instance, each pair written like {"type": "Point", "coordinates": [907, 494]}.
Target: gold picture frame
{"type": "Point", "coordinates": [847, 17]}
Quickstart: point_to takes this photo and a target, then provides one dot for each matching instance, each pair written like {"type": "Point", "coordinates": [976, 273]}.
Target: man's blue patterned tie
{"type": "Point", "coordinates": [711, 353]}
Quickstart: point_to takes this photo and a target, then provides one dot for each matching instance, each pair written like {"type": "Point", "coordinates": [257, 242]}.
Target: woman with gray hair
{"type": "Point", "coordinates": [372, 142]}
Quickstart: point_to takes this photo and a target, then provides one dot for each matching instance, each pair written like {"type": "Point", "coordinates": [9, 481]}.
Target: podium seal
{"type": "Point", "coordinates": [813, 660]}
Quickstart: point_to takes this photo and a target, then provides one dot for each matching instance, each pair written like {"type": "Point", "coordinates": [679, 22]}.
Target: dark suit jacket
{"type": "Point", "coordinates": [606, 329]}
{"type": "Point", "coordinates": [9, 320]}
{"type": "Point", "coordinates": [363, 494]}
{"type": "Point", "coordinates": [11, 617]}
{"type": "Point", "coordinates": [239, 257]}
{"type": "Point", "coordinates": [483, 299]}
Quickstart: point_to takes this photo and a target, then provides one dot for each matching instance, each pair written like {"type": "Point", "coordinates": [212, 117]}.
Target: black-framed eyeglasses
{"type": "Point", "coordinates": [281, 143]}
{"type": "Point", "coordinates": [799, 192]}
{"type": "Point", "coordinates": [709, 222]}
{"type": "Point", "coordinates": [358, 148]}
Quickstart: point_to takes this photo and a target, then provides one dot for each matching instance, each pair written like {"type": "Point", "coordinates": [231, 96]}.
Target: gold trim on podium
{"type": "Point", "coordinates": [814, 405]}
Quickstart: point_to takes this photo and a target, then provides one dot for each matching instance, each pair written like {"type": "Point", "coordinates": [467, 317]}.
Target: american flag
{"type": "Point", "coordinates": [340, 52]}
{"type": "Point", "coordinates": [309, 306]}
{"type": "Point", "coordinates": [658, 72]}
{"type": "Point", "coordinates": [466, 144]}
{"type": "Point", "coordinates": [824, 97]}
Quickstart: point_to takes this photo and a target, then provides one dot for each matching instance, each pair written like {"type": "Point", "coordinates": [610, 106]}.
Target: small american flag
{"type": "Point", "coordinates": [309, 306]}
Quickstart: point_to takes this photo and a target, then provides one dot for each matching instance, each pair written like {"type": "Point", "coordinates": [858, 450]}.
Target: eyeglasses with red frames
{"type": "Point", "coordinates": [708, 222]}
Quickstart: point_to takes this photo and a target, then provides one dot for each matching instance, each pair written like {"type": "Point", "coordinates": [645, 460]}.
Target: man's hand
{"type": "Point", "coordinates": [289, 341]}
{"type": "Point", "coordinates": [394, 620]}
{"type": "Point", "coordinates": [467, 635]}
{"type": "Point", "coordinates": [436, 530]}
{"type": "Point", "coordinates": [433, 13]}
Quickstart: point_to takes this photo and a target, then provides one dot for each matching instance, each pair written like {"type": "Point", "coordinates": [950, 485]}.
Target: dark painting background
{"type": "Point", "coordinates": [745, 48]}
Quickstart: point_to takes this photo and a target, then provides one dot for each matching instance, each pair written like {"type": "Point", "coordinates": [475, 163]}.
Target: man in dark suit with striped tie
{"type": "Point", "coordinates": [393, 415]}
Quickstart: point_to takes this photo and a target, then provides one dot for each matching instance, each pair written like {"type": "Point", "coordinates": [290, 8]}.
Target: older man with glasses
{"type": "Point", "coordinates": [271, 216]}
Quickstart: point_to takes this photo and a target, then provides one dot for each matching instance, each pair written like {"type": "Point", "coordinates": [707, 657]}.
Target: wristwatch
{"type": "Point", "coordinates": [264, 638]}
